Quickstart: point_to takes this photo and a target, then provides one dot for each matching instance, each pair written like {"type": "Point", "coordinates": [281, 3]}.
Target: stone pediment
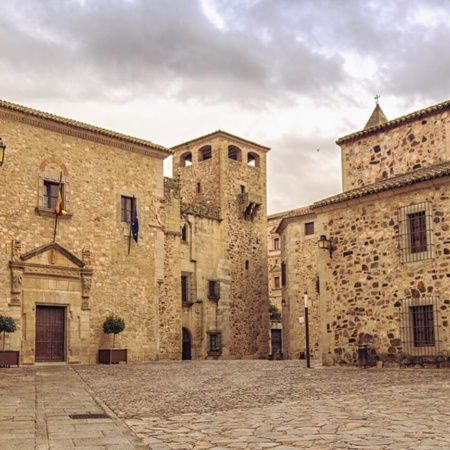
{"type": "Point", "coordinates": [275, 269]}
{"type": "Point", "coordinates": [52, 254]}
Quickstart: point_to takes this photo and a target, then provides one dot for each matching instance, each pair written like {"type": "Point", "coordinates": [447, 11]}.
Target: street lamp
{"type": "Point", "coordinates": [308, 363]}
{"type": "Point", "coordinates": [326, 244]}
{"type": "Point", "coordinates": [2, 152]}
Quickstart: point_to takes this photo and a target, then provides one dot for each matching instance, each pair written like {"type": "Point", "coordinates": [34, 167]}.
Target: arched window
{"type": "Point", "coordinates": [186, 159]}
{"type": "Point", "coordinates": [234, 153]}
{"type": "Point", "coordinates": [253, 159]}
{"type": "Point", "coordinates": [205, 153]}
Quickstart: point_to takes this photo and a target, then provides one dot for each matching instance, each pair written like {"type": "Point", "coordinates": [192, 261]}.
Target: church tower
{"type": "Point", "coordinates": [224, 260]}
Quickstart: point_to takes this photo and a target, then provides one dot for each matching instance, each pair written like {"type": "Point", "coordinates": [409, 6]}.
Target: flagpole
{"type": "Point", "coordinates": [131, 225]}
{"type": "Point", "coordinates": [56, 214]}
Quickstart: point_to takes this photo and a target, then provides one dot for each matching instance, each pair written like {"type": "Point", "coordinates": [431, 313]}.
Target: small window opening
{"type": "Point", "coordinates": [127, 205]}
{"type": "Point", "coordinates": [234, 153]}
{"type": "Point", "coordinates": [253, 160]}
{"type": "Point", "coordinates": [199, 188]}
{"type": "Point", "coordinates": [51, 194]}
{"type": "Point", "coordinates": [309, 228]}
{"type": "Point", "coordinates": [186, 160]}
{"type": "Point", "coordinates": [242, 189]}
{"type": "Point", "coordinates": [205, 153]}
{"type": "Point", "coordinates": [247, 264]}
{"type": "Point", "coordinates": [184, 233]}
{"type": "Point", "coordinates": [276, 243]}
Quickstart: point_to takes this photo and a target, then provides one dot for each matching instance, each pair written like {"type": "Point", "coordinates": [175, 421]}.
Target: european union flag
{"type": "Point", "coordinates": [135, 224]}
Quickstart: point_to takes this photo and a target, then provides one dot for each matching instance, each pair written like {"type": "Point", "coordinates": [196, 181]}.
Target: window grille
{"type": "Point", "coordinates": [419, 326]}
{"type": "Point", "coordinates": [213, 290]}
{"type": "Point", "coordinates": [416, 233]}
{"type": "Point", "coordinates": [215, 342]}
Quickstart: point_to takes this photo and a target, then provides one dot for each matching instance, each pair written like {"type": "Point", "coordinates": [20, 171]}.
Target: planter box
{"type": "Point", "coordinates": [9, 358]}
{"type": "Point", "coordinates": [113, 356]}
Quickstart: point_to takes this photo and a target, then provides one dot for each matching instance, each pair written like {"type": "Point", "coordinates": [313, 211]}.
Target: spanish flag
{"type": "Point", "coordinates": [59, 209]}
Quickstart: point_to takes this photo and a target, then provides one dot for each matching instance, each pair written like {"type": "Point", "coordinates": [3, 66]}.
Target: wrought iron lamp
{"type": "Point", "coordinates": [2, 152]}
{"type": "Point", "coordinates": [326, 244]}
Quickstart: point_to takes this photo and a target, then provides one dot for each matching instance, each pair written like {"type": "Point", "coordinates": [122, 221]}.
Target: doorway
{"type": "Point", "coordinates": [50, 333]}
{"type": "Point", "coordinates": [186, 345]}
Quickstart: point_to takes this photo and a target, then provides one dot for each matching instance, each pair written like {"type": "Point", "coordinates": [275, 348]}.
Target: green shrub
{"type": "Point", "coordinates": [7, 325]}
{"type": "Point", "coordinates": [113, 325]}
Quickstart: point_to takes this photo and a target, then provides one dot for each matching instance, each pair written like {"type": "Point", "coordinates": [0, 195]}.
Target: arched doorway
{"type": "Point", "coordinates": [186, 345]}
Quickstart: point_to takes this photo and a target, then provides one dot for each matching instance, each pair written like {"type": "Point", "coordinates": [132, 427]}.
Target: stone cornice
{"type": "Point", "coordinates": [28, 116]}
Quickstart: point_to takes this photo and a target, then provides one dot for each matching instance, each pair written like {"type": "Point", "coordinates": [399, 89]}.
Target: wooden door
{"type": "Point", "coordinates": [50, 333]}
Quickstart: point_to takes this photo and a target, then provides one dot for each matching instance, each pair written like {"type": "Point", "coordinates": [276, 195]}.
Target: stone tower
{"type": "Point", "coordinates": [222, 182]}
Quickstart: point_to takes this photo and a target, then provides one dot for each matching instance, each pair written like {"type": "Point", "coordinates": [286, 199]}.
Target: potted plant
{"type": "Point", "coordinates": [113, 325]}
{"type": "Point", "coordinates": [8, 357]}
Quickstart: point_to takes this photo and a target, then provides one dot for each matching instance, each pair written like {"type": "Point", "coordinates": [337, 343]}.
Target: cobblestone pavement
{"type": "Point", "coordinates": [276, 404]}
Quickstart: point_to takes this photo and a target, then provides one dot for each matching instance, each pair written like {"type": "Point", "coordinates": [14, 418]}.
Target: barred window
{"type": "Point", "coordinates": [416, 232]}
{"type": "Point", "coordinates": [213, 290]}
{"type": "Point", "coordinates": [419, 326]}
{"type": "Point", "coordinates": [215, 342]}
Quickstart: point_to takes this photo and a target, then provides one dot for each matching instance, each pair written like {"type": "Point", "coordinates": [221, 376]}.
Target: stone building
{"type": "Point", "coordinates": [192, 285]}
{"type": "Point", "coordinates": [387, 283]}
{"type": "Point", "coordinates": [384, 272]}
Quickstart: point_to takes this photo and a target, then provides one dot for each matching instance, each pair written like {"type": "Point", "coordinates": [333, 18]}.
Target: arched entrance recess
{"type": "Point", "coordinates": [186, 355]}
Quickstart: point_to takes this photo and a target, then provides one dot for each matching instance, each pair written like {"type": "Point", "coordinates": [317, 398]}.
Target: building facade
{"type": "Point", "coordinates": [61, 276]}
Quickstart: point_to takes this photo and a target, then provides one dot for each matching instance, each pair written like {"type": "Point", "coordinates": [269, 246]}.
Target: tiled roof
{"type": "Point", "coordinates": [407, 179]}
{"type": "Point", "coordinates": [395, 122]}
{"type": "Point", "coordinates": [223, 133]}
{"type": "Point", "coordinates": [306, 210]}
{"type": "Point", "coordinates": [81, 126]}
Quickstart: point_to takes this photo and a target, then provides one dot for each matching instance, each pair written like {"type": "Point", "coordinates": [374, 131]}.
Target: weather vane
{"type": "Point", "coordinates": [376, 98]}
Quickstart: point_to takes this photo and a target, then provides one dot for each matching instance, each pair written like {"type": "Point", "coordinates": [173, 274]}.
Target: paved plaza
{"type": "Point", "coordinates": [223, 405]}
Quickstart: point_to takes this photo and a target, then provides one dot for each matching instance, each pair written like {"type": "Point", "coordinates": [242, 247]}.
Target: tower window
{"type": "Point", "coordinates": [234, 153]}
{"type": "Point", "coordinates": [253, 159]}
{"type": "Point", "coordinates": [205, 153]}
{"type": "Point", "coordinates": [186, 159]}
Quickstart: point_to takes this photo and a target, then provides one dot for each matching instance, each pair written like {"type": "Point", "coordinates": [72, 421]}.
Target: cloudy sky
{"type": "Point", "coordinates": [294, 75]}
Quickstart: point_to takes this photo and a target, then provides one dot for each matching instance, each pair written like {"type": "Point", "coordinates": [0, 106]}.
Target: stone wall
{"type": "Point", "coordinates": [395, 149]}
{"type": "Point", "coordinates": [364, 282]}
{"type": "Point", "coordinates": [97, 168]}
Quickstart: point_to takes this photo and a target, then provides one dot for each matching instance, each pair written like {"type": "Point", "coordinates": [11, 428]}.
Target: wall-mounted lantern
{"type": "Point", "coordinates": [326, 244]}
{"type": "Point", "coordinates": [2, 152]}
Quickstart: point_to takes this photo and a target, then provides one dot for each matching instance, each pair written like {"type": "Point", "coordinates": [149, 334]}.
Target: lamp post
{"type": "Point", "coordinates": [308, 364]}
{"type": "Point", "coordinates": [2, 152]}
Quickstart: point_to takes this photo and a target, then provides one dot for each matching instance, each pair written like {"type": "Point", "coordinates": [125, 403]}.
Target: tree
{"type": "Point", "coordinates": [113, 325]}
{"type": "Point", "coordinates": [7, 325]}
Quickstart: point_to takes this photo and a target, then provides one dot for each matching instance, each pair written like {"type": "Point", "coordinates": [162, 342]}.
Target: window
{"type": "Point", "coordinates": [309, 228]}
{"type": "Point", "coordinates": [127, 205]}
{"type": "Point", "coordinates": [188, 289]}
{"type": "Point", "coordinates": [51, 194]}
{"type": "Point", "coordinates": [247, 264]}
{"type": "Point", "coordinates": [186, 159]}
{"type": "Point", "coordinates": [205, 153]}
{"type": "Point", "coordinates": [416, 232]}
{"type": "Point", "coordinates": [199, 188]}
{"type": "Point", "coordinates": [283, 274]}
{"type": "Point", "coordinates": [184, 288]}
{"type": "Point", "coordinates": [423, 325]}
{"type": "Point", "coordinates": [419, 326]}
{"type": "Point", "coordinates": [253, 159]}
{"type": "Point", "coordinates": [184, 233]}
{"type": "Point", "coordinates": [213, 290]}
{"type": "Point", "coordinates": [234, 153]}
{"type": "Point", "coordinates": [215, 343]}
{"type": "Point", "coordinates": [276, 282]}
{"type": "Point", "coordinates": [276, 243]}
